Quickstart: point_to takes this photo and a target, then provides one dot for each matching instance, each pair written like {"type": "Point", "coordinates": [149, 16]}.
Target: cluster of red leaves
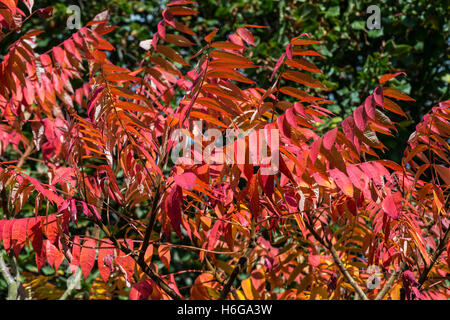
{"type": "Point", "coordinates": [309, 232]}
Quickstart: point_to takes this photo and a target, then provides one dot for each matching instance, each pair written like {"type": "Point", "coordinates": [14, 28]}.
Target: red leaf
{"type": "Point", "coordinates": [87, 257]}
{"type": "Point", "coordinates": [76, 252]}
{"type": "Point", "coordinates": [50, 252]}
{"type": "Point", "coordinates": [348, 126]}
{"type": "Point", "coordinates": [389, 76]}
{"type": "Point", "coordinates": [59, 55]}
{"type": "Point", "coordinates": [45, 12]}
{"type": "Point", "coordinates": [164, 255]}
{"type": "Point", "coordinates": [162, 29]}
{"type": "Point", "coordinates": [277, 66]}
{"type": "Point", "coordinates": [315, 148]}
{"type": "Point", "coordinates": [173, 208]}
{"type": "Point", "coordinates": [126, 262]}
{"type": "Point", "coordinates": [360, 118]}
{"type": "Point", "coordinates": [50, 227]}
{"type": "Point", "coordinates": [11, 4]}
{"type": "Point", "coordinates": [214, 234]}
{"type": "Point", "coordinates": [314, 259]}
{"type": "Point", "coordinates": [178, 40]}
{"type": "Point", "coordinates": [302, 78]}
{"type": "Point", "coordinates": [351, 206]}
{"type": "Point", "coordinates": [255, 26]}
{"type": "Point", "coordinates": [50, 195]}
{"type": "Point", "coordinates": [254, 196]}
{"type": "Point", "coordinates": [19, 234]}
{"type": "Point", "coordinates": [168, 17]}
{"type": "Point", "coordinates": [378, 96]}
{"type": "Point", "coordinates": [369, 106]}
{"type": "Point", "coordinates": [267, 184]}
{"type": "Point", "coordinates": [394, 93]}
{"type": "Point", "coordinates": [246, 35]}
{"type": "Point", "coordinates": [291, 118]}
{"type": "Point", "coordinates": [303, 34]}
{"type": "Point", "coordinates": [289, 51]}
{"type": "Point", "coordinates": [7, 231]}
{"type": "Point", "coordinates": [443, 172]}
{"type": "Point", "coordinates": [356, 176]}
{"type": "Point", "coordinates": [106, 251]}
{"type": "Point", "coordinates": [54, 256]}
{"type": "Point", "coordinates": [342, 181]}
{"type": "Point", "coordinates": [59, 258]}
{"type": "Point", "coordinates": [141, 290]}
{"type": "Point", "coordinates": [448, 254]}
{"type": "Point", "coordinates": [330, 138]}
{"type": "Point", "coordinates": [186, 180]}
{"type": "Point", "coordinates": [2, 225]}
{"type": "Point", "coordinates": [211, 35]}
{"type": "Point", "coordinates": [393, 107]}
{"type": "Point", "coordinates": [35, 235]}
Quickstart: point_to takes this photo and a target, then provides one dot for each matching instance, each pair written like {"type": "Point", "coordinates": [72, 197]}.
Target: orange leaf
{"type": "Point", "coordinates": [393, 107]}
{"type": "Point", "coordinates": [76, 252]}
{"type": "Point", "coordinates": [19, 234]}
{"type": "Point", "coordinates": [230, 65]}
{"type": "Point", "coordinates": [105, 252]}
{"type": "Point", "coordinates": [226, 56]}
{"type": "Point", "coordinates": [164, 255]}
{"type": "Point", "coordinates": [211, 35]}
{"type": "Point", "coordinates": [171, 54]}
{"type": "Point", "coordinates": [302, 64]}
{"type": "Point", "coordinates": [394, 93]}
{"type": "Point", "coordinates": [303, 79]}
{"type": "Point", "coordinates": [389, 76]}
{"type": "Point", "coordinates": [208, 118]}
{"type": "Point", "coordinates": [392, 205]}
{"type": "Point", "coordinates": [178, 40]}
{"type": "Point", "coordinates": [215, 89]}
{"type": "Point", "coordinates": [132, 106]}
{"type": "Point", "coordinates": [228, 74]}
{"type": "Point", "coordinates": [443, 172]}
{"type": "Point", "coordinates": [294, 92]}
{"type": "Point", "coordinates": [303, 52]}
{"type": "Point", "coordinates": [126, 93]}
{"type": "Point", "coordinates": [226, 45]}
{"type": "Point", "coordinates": [183, 28]}
{"type": "Point", "coordinates": [246, 35]}
{"type": "Point", "coordinates": [255, 26]}
{"type": "Point", "coordinates": [342, 181]}
{"type": "Point", "coordinates": [120, 77]}
{"type": "Point", "coordinates": [181, 11]}
{"type": "Point", "coordinates": [11, 4]}
{"type": "Point", "coordinates": [300, 42]}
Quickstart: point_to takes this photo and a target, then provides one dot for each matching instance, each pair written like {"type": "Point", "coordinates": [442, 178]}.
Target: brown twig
{"type": "Point", "coordinates": [145, 268]}
{"type": "Point", "coordinates": [237, 269]}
